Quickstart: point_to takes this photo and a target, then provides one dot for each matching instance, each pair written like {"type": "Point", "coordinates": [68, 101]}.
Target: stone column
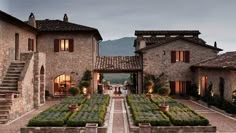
{"type": "Point", "coordinates": [140, 82]}
{"type": "Point", "coordinates": [95, 84]}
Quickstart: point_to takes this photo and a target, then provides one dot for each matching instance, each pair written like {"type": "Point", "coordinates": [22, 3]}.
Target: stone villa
{"type": "Point", "coordinates": [39, 55]}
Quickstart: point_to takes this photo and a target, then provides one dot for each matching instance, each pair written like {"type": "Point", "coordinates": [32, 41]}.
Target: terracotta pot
{"type": "Point", "coordinates": [149, 95]}
{"type": "Point", "coordinates": [73, 107]}
{"type": "Point", "coordinates": [164, 107]}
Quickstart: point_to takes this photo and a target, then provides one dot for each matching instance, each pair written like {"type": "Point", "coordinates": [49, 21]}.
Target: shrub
{"type": "Point", "coordinates": [47, 93]}
{"type": "Point", "coordinates": [74, 91]}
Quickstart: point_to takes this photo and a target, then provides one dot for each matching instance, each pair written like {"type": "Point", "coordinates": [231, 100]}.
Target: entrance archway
{"type": "Point", "coordinates": [62, 84]}
{"type": "Point", "coordinates": [42, 85]}
{"type": "Point", "coordinates": [120, 64]}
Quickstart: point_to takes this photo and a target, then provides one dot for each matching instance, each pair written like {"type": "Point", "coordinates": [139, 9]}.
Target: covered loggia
{"type": "Point", "coordinates": [119, 64]}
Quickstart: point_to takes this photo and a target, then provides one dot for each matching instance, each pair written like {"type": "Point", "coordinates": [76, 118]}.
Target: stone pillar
{"type": "Point", "coordinates": [140, 82]}
{"type": "Point", "coordinates": [95, 84]}
{"type": "Point", "coordinates": [91, 128]}
{"type": "Point", "coordinates": [144, 128]}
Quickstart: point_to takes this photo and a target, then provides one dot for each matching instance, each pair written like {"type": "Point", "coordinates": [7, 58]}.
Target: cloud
{"type": "Point", "coordinates": [119, 18]}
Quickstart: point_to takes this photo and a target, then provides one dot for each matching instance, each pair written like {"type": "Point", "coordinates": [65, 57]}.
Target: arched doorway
{"type": "Point", "coordinates": [62, 84]}
{"type": "Point", "coordinates": [42, 83]}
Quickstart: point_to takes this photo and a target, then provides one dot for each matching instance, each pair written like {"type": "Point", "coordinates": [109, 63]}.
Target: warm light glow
{"type": "Point", "coordinates": [62, 45]}
{"type": "Point", "coordinates": [177, 55]}
{"type": "Point", "coordinates": [98, 76]}
{"type": "Point", "coordinates": [85, 90]}
{"type": "Point", "coordinates": [181, 57]}
{"type": "Point", "coordinates": [66, 44]}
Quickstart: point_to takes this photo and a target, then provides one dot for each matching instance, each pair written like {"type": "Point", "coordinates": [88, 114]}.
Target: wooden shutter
{"type": "Point", "coordinates": [187, 56]}
{"type": "Point", "coordinates": [173, 56]}
{"type": "Point", "coordinates": [71, 45]}
{"type": "Point", "coordinates": [172, 87]}
{"type": "Point", "coordinates": [56, 45]}
{"type": "Point", "coordinates": [188, 87]}
{"type": "Point", "coordinates": [29, 44]}
{"type": "Point", "coordinates": [32, 44]}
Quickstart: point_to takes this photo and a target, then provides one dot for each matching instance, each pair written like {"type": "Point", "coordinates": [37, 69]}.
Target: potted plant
{"type": "Point", "coordinates": [73, 107]}
{"type": "Point", "coordinates": [73, 91]}
{"type": "Point", "coordinates": [149, 87]}
{"type": "Point", "coordinates": [163, 92]}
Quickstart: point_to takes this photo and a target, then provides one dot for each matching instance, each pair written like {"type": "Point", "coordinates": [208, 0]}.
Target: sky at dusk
{"type": "Point", "coordinates": [215, 19]}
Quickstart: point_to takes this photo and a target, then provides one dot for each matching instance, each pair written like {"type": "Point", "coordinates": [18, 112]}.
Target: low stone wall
{"type": "Point", "coordinates": [61, 130]}
{"type": "Point", "coordinates": [165, 129]}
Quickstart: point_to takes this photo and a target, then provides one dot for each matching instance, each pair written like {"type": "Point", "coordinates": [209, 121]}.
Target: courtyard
{"type": "Point", "coordinates": [118, 122]}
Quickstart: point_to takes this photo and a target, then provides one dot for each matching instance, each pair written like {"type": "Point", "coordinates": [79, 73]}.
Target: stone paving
{"type": "Point", "coordinates": [119, 117]}
{"type": "Point", "coordinates": [223, 123]}
{"type": "Point", "coordinates": [14, 126]}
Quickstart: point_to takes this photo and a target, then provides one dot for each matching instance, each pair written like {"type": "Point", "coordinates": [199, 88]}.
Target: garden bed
{"type": "Point", "coordinates": [93, 110]}
{"type": "Point", "coordinates": [180, 118]}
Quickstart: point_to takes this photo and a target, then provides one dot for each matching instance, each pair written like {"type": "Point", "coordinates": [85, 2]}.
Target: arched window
{"type": "Point", "coordinates": [62, 84]}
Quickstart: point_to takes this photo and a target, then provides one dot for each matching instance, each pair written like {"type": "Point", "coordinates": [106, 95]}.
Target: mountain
{"type": "Point", "coordinates": [118, 47]}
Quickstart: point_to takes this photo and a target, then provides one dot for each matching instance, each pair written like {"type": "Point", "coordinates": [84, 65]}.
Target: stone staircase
{"type": "Point", "coordinates": [8, 89]}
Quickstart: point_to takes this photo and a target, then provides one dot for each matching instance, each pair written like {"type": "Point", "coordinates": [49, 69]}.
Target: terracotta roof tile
{"type": "Point", "coordinates": [167, 32]}
{"type": "Point", "coordinates": [153, 42]}
{"type": "Point", "coordinates": [118, 63]}
{"type": "Point", "coordinates": [223, 61]}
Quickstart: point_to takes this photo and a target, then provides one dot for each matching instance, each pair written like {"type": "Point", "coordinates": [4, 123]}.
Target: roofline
{"type": "Point", "coordinates": [174, 39]}
{"type": "Point", "coordinates": [213, 67]}
{"type": "Point", "coordinates": [15, 21]}
{"type": "Point", "coordinates": [167, 32]}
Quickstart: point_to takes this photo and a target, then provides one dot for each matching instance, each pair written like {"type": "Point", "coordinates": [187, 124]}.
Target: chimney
{"type": "Point", "coordinates": [215, 45]}
{"type": "Point", "coordinates": [65, 19]}
{"type": "Point", "coordinates": [31, 20]}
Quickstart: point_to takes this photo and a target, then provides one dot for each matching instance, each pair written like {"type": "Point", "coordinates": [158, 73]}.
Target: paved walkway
{"type": "Point", "coordinates": [223, 123]}
{"type": "Point", "coordinates": [118, 120]}
{"type": "Point", "coordinates": [14, 126]}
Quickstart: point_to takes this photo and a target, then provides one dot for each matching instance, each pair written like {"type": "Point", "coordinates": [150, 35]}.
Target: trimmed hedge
{"type": "Point", "coordinates": [93, 111]}
{"type": "Point", "coordinates": [74, 100]}
{"type": "Point", "coordinates": [48, 118]}
{"type": "Point", "coordinates": [143, 111]}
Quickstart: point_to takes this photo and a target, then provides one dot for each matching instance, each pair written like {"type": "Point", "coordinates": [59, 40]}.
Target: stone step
{"type": "Point", "coordinates": [12, 68]}
{"type": "Point", "coordinates": [11, 78]}
{"type": "Point", "coordinates": [13, 72]}
{"type": "Point", "coordinates": [4, 111]}
{"type": "Point", "coordinates": [8, 85]}
{"type": "Point", "coordinates": [3, 121]}
{"type": "Point", "coordinates": [8, 88]}
{"type": "Point", "coordinates": [2, 95]}
{"type": "Point", "coordinates": [3, 116]}
{"type": "Point", "coordinates": [8, 91]}
{"type": "Point", "coordinates": [5, 107]}
{"type": "Point", "coordinates": [9, 81]}
{"type": "Point", "coordinates": [17, 63]}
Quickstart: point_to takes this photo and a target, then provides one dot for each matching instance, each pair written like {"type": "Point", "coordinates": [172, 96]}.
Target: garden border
{"type": "Point", "coordinates": [166, 129]}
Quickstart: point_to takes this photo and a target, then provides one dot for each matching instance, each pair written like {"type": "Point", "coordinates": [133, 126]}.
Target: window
{"type": "Point", "coordinates": [62, 84]}
{"type": "Point", "coordinates": [30, 44]}
{"type": "Point", "coordinates": [180, 56]}
{"type": "Point", "coordinates": [204, 84]}
{"type": "Point", "coordinates": [63, 45]}
{"type": "Point", "coordinates": [180, 87]}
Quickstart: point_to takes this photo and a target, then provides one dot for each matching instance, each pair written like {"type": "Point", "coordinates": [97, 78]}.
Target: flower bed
{"type": "Point", "coordinates": [91, 111]}
{"type": "Point", "coordinates": [145, 111]}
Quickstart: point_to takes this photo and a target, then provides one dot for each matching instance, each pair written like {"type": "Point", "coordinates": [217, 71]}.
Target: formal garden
{"type": "Point", "coordinates": [73, 111]}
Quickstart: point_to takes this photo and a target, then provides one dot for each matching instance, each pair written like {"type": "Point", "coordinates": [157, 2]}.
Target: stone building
{"type": "Point", "coordinates": [220, 71]}
{"type": "Point", "coordinates": [173, 53]}
{"type": "Point", "coordinates": [22, 68]}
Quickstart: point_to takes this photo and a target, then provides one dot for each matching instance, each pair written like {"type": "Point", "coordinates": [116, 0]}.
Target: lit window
{"type": "Point", "coordinates": [64, 45]}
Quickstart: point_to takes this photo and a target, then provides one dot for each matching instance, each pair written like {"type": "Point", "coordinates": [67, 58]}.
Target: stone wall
{"type": "Point", "coordinates": [7, 44]}
{"type": "Point", "coordinates": [158, 59]}
{"type": "Point", "coordinates": [39, 78]}
{"type": "Point", "coordinates": [24, 102]}
{"type": "Point", "coordinates": [213, 76]}
{"type": "Point", "coordinates": [65, 62]}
